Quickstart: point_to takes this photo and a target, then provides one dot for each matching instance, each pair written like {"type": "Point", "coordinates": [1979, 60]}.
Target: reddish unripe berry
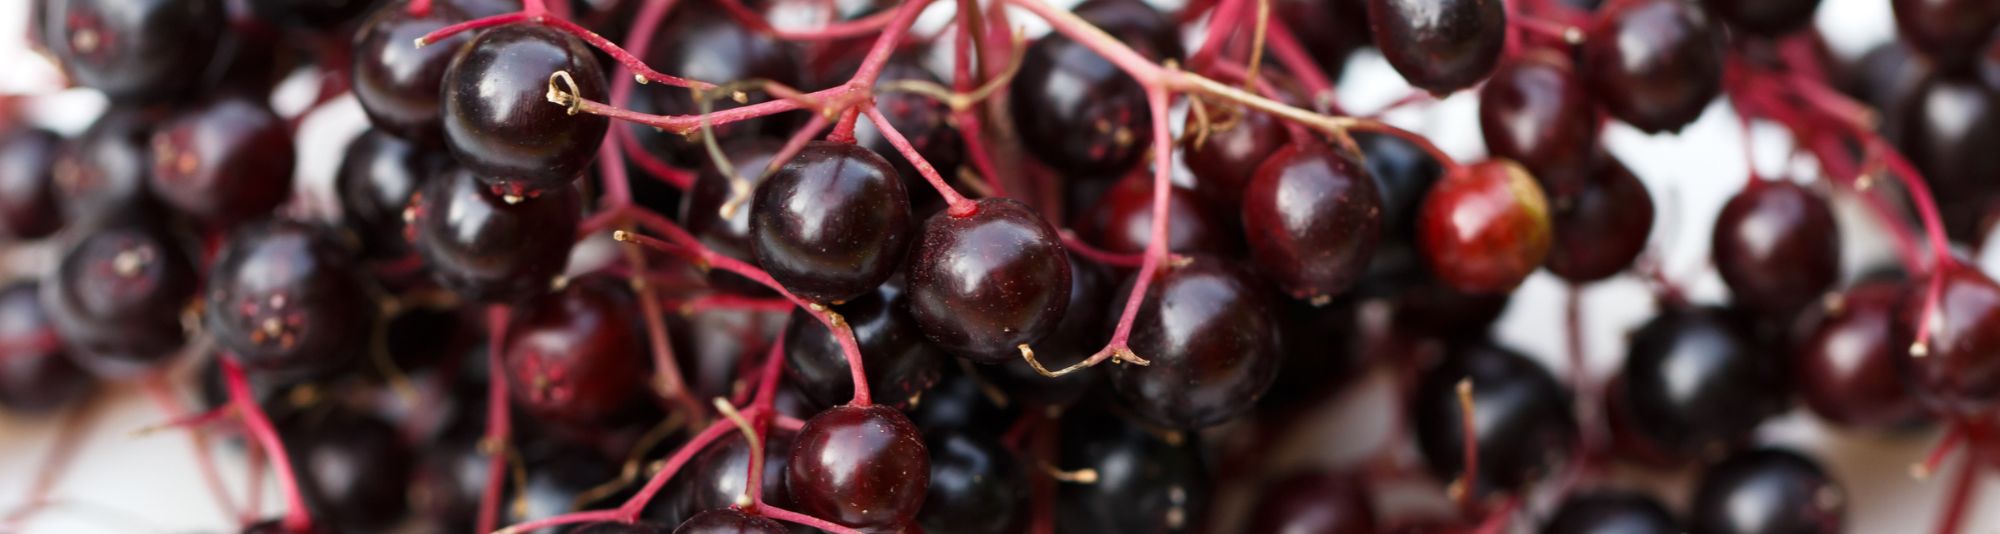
{"type": "Point", "coordinates": [1485, 228]}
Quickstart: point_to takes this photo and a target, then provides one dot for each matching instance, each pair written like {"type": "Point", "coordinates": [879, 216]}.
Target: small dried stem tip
{"type": "Point", "coordinates": [1461, 489]}
{"type": "Point", "coordinates": [1078, 476]}
{"type": "Point", "coordinates": [558, 96]}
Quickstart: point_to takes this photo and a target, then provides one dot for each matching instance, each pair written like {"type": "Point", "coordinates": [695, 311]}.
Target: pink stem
{"type": "Point", "coordinates": [1286, 49]}
{"type": "Point", "coordinates": [789, 516]}
{"type": "Point", "coordinates": [956, 203]}
{"type": "Point", "coordinates": [726, 301]}
{"type": "Point", "coordinates": [1961, 495]}
{"type": "Point", "coordinates": [678, 178]}
{"type": "Point", "coordinates": [843, 131]}
{"type": "Point", "coordinates": [1220, 26]}
{"type": "Point", "coordinates": [163, 395]}
{"type": "Point", "coordinates": [684, 124]}
{"type": "Point", "coordinates": [297, 517]}
{"type": "Point", "coordinates": [1098, 255]}
{"type": "Point", "coordinates": [499, 427]}
{"type": "Point", "coordinates": [787, 423]}
{"type": "Point", "coordinates": [1074, 27]}
{"type": "Point", "coordinates": [1156, 247]}
{"type": "Point", "coordinates": [446, 32]}
{"type": "Point", "coordinates": [62, 453]}
{"type": "Point", "coordinates": [680, 242]}
{"type": "Point", "coordinates": [680, 458]}
{"type": "Point", "coordinates": [419, 8]}
{"type": "Point", "coordinates": [631, 62]}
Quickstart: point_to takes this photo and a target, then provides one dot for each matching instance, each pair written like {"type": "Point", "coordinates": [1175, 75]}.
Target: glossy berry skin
{"type": "Point", "coordinates": [498, 121]}
{"type": "Point", "coordinates": [1847, 363]}
{"type": "Point", "coordinates": [1091, 118]}
{"type": "Point", "coordinates": [1611, 512]}
{"type": "Point", "coordinates": [1485, 228]}
{"type": "Point", "coordinates": [1122, 219]}
{"type": "Point", "coordinates": [1537, 111]}
{"type": "Point", "coordinates": [1952, 33]}
{"type": "Point", "coordinates": [1944, 126]}
{"type": "Point", "coordinates": [1314, 503]}
{"type": "Point", "coordinates": [487, 249]}
{"type": "Point", "coordinates": [1404, 175]}
{"type": "Point", "coordinates": [37, 375]}
{"type": "Point", "coordinates": [1654, 64]}
{"type": "Point", "coordinates": [900, 364]}
{"type": "Point", "coordinates": [1602, 226]}
{"type": "Point", "coordinates": [715, 479]}
{"type": "Point", "coordinates": [1145, 483]}
{"type": "Point", "coordinates": [375, 181]}
{"type": "Point", "coordinates": [1777, 247]}
{"type": "Point", "coordinates": [286, 297]}
{"type": "Point", "coordinates": [353, 467]}
{"type": "Point", "coordinates": [1770, 18]}
{"type": "Point", "coordinates": [1082, 331]}
{"type": "Point", "coordinates": [1697, 383]}
{"type": "Point", "coordinates": [1793, 493]}
{"type": "Point", "coordinates": [28, 207]}
{"type": "Point", "coordinates": [103, 173]}
{"type": "Point", "coordinates": [1211, 335]}
{"type": "Point", "coordinates": [723, 521]}
{"type": "Point", "coordinates": [224, 161]}
{"type": "Point", "coordinates": [135, 51]}
{"type": "Point", "coordinates": [859, 466]}
{"type": "Point", "coordinates": [976, 486]}
{"type": "Point", "coordinates": [984, 283]}
{"type": "Point", "coordinates": [397, 82]}
{"type": "Point", "coordinates": [924, 122]}
{"type": "Point", "coordinates": [832, 224]}
{"type": "Point", "coordinates": [1439, 46]}
{"type": "Point", "coordinates": [1957, 372]}
{"type": "Point", "coordinates": [1226, 159]}
{"type": "Point", "coordinates": [1523, 426]}
{"type": "Point", "coordinates": [117, 294]}
{"type": "Point", "coordinates": [962, 403]}
{"type": "Point", "coordinates": [575, 356]}
{"type": "Point", "coordinates": [1312, 216]}
{"type": "Point", "coordinates": [701, 210]}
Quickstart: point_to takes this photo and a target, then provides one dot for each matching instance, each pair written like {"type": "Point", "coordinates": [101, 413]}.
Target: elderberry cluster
{"type": "Point", "coordinates": [696, 266]}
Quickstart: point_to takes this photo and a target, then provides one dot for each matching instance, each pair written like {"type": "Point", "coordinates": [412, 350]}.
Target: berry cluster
{"type": "Point", "coordinates": [648, 266]}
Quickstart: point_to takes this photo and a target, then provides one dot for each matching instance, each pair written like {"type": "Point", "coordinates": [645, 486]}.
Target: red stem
{"type": "Point", "coordinates": [1220, 24]}
{"type": "Point", "coordinates": [789, 516]}
{"type": "Point", "coordinates": [62, 453]}
{"type": "Point", "coordinates": [1961, 495]}
{"type": "Point", "coordinates": [727, 301]}
{"type": "Point", "coordinates": [955, 203]}
{"type": "Point", "coordinates": [475, 24]}
{"type": "Point", "coordinates": [1098, 255]}
{"type": "Point", "coordinates": [499, 427]}
{"type": "Point", "coordinates": [297, 517]}
{"type": "Point", "coordinates": [1285, 48]}
{"type": "Point", "coordinates": [629, 511]}
{"type": "Point", "coordinates": [163, 395]}
{"type": "Point", "coordinates": [1948, 443]}
{"type": "Point", "coordinates": [680, 242]}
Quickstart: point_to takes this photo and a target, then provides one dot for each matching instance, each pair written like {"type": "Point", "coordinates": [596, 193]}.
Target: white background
{"type": "Point", "coordinates": [128, 483]}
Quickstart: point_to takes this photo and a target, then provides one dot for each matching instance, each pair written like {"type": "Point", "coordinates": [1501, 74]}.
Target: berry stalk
{"type": "Point", "coordinates": [298, 518]}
